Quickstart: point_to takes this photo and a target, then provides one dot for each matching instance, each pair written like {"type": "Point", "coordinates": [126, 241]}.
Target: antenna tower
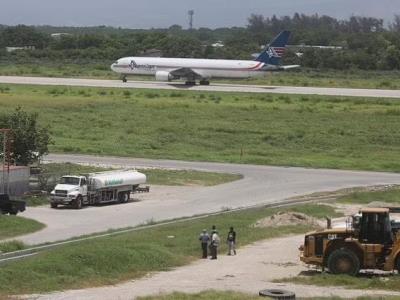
{"type": "Point", "coordinates": [191, 13]}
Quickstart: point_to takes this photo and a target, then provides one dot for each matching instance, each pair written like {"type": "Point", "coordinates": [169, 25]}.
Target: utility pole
{"type": "Point", "coordinates": [6, 158]}
{"type": "Point", "coordinates": [191, 13]}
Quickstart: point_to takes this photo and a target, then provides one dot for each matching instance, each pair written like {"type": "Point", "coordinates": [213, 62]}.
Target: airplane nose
{"type": "Point", "coordinates": [112, 67]}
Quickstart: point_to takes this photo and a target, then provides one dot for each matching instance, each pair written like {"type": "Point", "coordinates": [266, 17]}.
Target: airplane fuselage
{"type": "Point", "coordinates": [206, 68]}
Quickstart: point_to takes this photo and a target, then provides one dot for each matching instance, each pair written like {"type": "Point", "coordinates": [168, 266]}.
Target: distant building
{"type": "Point", "coordinates": [18, 180]}
{"type": "Point", "coordinates": [302, 46]}
{"type": "Point", "coordinates": [58, 35]}
{"type": "Point", "coordinates": [12, 49]}
{"type": "Point", "coordinates": [218, 44]}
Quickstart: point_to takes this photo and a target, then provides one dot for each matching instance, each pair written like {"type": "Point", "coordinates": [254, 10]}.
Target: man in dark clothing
{"type": "Point", "coordinates": [204, 238]}
{"type": "Point", "coordinates": [231, 239]}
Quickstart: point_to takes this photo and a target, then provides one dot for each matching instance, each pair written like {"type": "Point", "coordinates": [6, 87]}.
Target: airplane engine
{"type": "Point", "coordinates": [164, 76]}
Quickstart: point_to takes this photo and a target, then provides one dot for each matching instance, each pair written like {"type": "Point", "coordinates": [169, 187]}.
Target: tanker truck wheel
{"type": "Point", "coordinates": [124, 197]}
{"type": "Point", "coordinates": [77, 204]}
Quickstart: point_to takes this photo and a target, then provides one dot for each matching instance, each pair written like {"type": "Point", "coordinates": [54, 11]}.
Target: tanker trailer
{"type": "Point", "coordinates": [96, 188]}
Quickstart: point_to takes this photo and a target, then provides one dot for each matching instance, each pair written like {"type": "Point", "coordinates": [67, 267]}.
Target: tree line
{"type": "Point", "coordinates": [366, 43]}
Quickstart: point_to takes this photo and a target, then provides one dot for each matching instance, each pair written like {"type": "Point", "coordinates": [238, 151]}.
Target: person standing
{"type": "Point", "coordinates": [204, 238]}
{"type": "Point", "coordinates": [231, 239]}
{"type": "Point", "coordinates": [215, 240]}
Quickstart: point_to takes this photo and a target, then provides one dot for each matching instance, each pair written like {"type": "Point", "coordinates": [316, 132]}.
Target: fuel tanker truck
{"type": "Point", "coordinates": [96, 188]}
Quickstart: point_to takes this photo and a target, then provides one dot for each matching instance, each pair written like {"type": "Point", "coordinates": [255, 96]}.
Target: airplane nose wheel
{"type": "Point", "coordinates": [124, 79]}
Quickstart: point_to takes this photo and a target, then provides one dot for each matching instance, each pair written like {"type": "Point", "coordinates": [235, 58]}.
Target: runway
{"type": "Point", "coordinates": [260, 185]}
{"type": "Point", "coordinates": [214, 87]}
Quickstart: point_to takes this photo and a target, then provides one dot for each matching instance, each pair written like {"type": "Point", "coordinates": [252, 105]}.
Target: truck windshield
{"type": "Point", "coordinates": [69, 180]}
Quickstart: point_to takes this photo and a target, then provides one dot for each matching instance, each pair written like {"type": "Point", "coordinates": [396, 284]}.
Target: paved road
{"type": "Point", "coordinates": [261, 184]}
{"type": "Point", "coordinates": [213, 87]}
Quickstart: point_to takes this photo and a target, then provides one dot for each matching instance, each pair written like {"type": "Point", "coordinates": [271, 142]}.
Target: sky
{"type": "Point", "coordinates": [164, 13]}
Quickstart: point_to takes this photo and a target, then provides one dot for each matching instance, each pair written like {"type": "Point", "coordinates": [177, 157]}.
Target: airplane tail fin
{"type": "Point", "coordinates": [273, 52]}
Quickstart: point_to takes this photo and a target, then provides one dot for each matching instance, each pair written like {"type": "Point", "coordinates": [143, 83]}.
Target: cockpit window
{"type": "Point", "coordinates": [116, 62]}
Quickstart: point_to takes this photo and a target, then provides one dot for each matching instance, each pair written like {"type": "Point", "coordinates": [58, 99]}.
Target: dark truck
{"type": "Point", "coordinates": [11, 207]}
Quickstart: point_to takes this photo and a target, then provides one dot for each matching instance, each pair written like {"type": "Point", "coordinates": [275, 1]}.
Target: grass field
{"type": "Point", "coordinates": [12, 226]}
{"type": "Point", "coordinates": [391, 195]}
{"type": "Point", "coordinates": [360, 282]}
{"type": "Point", "coordinates": [298, 77]}
{"type": "Point", "coordinates": [311, 131]}
{"type": "Point", "coordinates": [131, 255]}
{"type": "Point", "coordinates": [206, 295]}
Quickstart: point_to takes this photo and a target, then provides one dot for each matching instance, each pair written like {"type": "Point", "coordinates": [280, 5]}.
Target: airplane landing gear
{"type": "Point", "coordinates": [124, 79]}
{"type": "Point", "coordinates": [190, 82]}
{"type": "Point", "coordinates": [204, 82]}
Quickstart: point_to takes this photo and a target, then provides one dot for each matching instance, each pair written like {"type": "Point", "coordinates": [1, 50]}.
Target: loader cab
{"type": "Point", "coordinates": [374, 226]}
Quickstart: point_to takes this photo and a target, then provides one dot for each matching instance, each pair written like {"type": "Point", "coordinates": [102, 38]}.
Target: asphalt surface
{"type": "Point", "coordinates": [213, 87]}
{"type": "Point", "coordinates": [261, 184]}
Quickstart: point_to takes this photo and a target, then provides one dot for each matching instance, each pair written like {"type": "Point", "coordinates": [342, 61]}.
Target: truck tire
{"type": "Point", "coordinates": [123, 197]}
{"type": "Point", "coordinates": [53, 205]}
{"type": "Point", "coordinates": [277, 294]}
{"type": "Point", "coordinates": [343, 261]}
{"type": "Point", "coordinates": [13, 211]}
{"type": "Point", "coordinates": [126, 197]}
{"type": "Point", "coordinates": [77, 204]}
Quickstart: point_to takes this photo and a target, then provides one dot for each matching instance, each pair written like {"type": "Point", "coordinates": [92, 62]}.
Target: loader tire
{"type": "Point", "coordinates": [277, 294]}
{"type": "Point", "coordinates": [342, 261]}
{"type": "Point", "coordinates": [397, 265]}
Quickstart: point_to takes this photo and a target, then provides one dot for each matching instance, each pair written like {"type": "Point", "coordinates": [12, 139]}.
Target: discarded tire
{"type": "Point", "coordinates": [277, 294]}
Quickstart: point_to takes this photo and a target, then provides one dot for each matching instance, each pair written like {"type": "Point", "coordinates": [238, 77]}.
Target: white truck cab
{"type": "Point", "coordinates": [70, 190]}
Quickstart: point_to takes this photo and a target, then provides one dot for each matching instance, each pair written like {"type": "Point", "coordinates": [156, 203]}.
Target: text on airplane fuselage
{"type": "Point", "coordinates": [134, 65]}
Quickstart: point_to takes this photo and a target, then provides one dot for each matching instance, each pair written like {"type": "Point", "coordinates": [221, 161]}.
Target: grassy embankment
{"type": "Point", "coordinates": [298, 77]}
{"type": "Point", "coordinates": [51, 172]}
{"type": "Point", "coordinates": [311, 131]}
{"type": "Point", "coordinates": [131, 255]}
{"type": "Point", "coordinates": [370, 282]}
{"type": "Point", "coordinates": [392, 196]}
{"type": "Point", "coordinates": [12, 226]}
{"type": "Point", "coordinates": [206, 295]}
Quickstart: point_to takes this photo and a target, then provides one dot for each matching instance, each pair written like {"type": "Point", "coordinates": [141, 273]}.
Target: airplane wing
{"type": "Point", "coordinates": [186, 73]}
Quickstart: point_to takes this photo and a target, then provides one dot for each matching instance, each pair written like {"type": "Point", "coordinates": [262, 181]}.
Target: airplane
{"type": "Point", "coordinates": [192, 69]}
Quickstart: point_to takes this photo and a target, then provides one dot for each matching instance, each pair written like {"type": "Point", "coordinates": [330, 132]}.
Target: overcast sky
{"type": "Point", "coordinates": [164, 13]}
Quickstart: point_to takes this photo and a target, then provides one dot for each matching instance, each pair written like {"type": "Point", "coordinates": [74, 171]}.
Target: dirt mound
{"type": "Point", "coordinates": [288, 218]}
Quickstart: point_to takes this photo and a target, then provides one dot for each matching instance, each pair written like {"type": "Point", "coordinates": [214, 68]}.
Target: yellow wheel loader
{"type": "Point", "coordinates": [370, 240]}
